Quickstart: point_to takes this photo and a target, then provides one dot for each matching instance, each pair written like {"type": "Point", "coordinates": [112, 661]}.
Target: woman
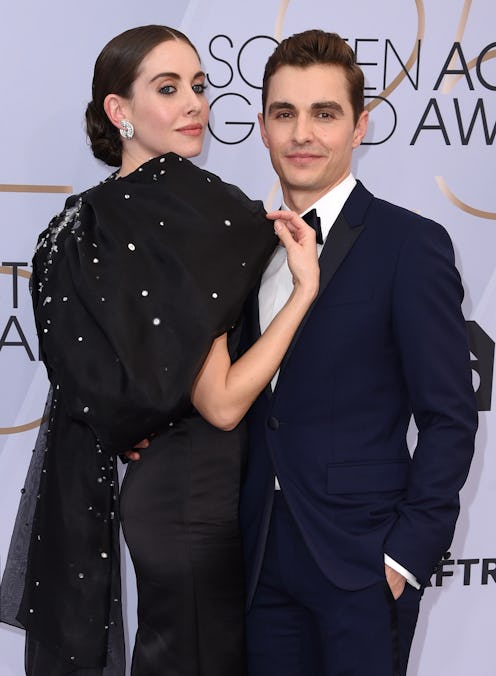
{"type": "Point", "coordinates": [137, 287]}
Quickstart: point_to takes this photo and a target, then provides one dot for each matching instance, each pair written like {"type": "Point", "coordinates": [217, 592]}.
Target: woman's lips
{"type": "Point", "coordinates": [191, 130]}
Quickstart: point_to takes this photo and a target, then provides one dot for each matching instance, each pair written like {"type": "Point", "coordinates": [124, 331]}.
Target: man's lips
{"type": "Point", "coordinates": [191, 130]}
{"type": "Point", "coordinates": [302, 158]}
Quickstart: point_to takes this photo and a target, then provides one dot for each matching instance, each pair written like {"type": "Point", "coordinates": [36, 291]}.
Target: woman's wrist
{"type": "Point", "coordinates": [305, 293]}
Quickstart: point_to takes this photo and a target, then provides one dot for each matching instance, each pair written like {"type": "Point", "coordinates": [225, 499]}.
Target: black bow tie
{"type": "Point", "coordinates": [314, 222]}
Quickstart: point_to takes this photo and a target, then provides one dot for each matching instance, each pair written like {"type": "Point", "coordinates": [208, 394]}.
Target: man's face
{"type": "Point", "coordinates": [309, 130]}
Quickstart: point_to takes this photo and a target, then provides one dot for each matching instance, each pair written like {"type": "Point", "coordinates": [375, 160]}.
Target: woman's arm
{"type": "Point", "coordinates": [223, 392]}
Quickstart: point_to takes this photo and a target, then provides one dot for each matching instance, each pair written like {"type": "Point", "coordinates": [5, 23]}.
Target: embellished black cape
{"type": "Point", "coordinates": [131, 283]}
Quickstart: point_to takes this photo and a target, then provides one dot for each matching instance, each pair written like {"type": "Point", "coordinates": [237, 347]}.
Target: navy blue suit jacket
{"type": "Point", "coordinates": [384, 339]}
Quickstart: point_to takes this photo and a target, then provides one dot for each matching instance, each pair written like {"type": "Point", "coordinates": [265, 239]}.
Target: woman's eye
{"type": "Point", "coordinates": [167, 89]}
{"type": "Point", "coordinates": [199, 88]}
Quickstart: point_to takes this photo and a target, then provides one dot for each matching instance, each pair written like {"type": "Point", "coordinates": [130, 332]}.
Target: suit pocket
{"type": "Point", "coordinates": [367, 477]}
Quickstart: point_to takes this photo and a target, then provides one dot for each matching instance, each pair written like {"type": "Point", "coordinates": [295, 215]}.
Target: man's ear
{"type": "Point", "coordinates": [116, 109]}
{"type": "Point", "coordinates": [263, 131]}
{"type": "Point", "coordinates": [360, 128]}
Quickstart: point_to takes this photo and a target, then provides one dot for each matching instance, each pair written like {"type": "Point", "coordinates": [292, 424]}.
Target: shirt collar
{"type": "Point", "coordinates": [329, 205]}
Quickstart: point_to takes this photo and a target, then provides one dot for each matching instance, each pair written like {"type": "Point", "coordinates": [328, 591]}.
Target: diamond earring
{"type": "Point", "coordinates": [127, 130]}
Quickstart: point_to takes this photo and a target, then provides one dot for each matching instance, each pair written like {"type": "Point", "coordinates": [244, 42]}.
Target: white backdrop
{"type": "Point", "coordinates": [430, 68]}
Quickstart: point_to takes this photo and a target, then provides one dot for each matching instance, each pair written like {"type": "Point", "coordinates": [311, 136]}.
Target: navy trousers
{"type": "Point", "coordinates": [300, 624]}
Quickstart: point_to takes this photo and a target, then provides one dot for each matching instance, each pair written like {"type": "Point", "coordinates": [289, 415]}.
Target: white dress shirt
{"type": "Point", "coordinates": [277, 285]}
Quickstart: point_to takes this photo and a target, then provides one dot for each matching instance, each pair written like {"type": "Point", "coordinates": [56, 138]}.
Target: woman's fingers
{"type": "Point", "coordinates": [286, 237]}
{"type": "Point", "coordinates": [299, 230]}
{"type": "Point", "coordinates": [300, 242]}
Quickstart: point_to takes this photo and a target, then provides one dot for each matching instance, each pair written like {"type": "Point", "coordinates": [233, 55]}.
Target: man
{"type": "Point", "coordinates": [338, 557]}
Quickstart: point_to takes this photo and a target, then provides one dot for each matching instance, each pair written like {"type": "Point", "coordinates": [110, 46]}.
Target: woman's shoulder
{"type": "Point", "coordinates": [68, 218]}
{"type": "Point", "coordinates": [60, 221]}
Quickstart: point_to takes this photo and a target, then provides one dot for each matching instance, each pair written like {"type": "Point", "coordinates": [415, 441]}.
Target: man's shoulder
{"type": "Point", "coordinates": [399, 218]}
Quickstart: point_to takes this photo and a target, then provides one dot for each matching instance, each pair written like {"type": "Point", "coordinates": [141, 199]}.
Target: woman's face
{"type": "Point", "coordinates": [167, 106]}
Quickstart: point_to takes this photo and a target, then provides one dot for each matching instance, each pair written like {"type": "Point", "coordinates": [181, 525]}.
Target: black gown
{"type": "Point", "coordinates": [131, 283]}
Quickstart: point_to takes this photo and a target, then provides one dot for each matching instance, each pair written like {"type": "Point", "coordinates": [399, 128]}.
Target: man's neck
{"type": "Point", "coordinates": [300, 200]}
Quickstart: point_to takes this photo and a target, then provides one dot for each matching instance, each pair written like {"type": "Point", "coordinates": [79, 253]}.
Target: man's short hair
{"type": "Point", "coordinates": [318, 47]}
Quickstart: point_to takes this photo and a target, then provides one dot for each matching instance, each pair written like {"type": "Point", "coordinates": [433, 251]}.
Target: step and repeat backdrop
{"type": "Point", "coordinates": [430, 68]}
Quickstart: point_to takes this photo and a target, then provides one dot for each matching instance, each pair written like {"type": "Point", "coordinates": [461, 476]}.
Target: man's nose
{"type": "Point", "coordinates": [303, 129]}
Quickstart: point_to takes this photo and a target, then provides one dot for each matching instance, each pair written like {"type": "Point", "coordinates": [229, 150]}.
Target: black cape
{"type": "Point", "coordinates": [131, 283]}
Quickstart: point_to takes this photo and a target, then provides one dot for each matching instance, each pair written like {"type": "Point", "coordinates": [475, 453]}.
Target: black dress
{"type": "Point", "coordinates": [131, 283]}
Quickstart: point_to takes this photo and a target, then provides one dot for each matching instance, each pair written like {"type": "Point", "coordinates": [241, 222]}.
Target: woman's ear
{"type": "Point", "coordinates": [115, 108]}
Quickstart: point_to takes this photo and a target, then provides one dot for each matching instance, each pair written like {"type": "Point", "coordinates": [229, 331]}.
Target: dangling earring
{"type": "Point", "coordinates": [127, 130]}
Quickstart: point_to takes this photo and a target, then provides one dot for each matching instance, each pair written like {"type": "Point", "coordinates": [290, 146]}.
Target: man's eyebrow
{"type": "Point", "coordinates": [330, 105]}
{"type": "Point", "coordinates": [280, 105]}
{"type": "Point", "coordinates": [175, 76]}
{"type": "Point", "coordinates": [317, 105]}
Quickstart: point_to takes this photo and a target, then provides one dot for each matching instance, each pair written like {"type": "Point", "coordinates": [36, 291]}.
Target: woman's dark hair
{"type": "Point", "coordinates": [115, 71]}
{"type": "Point", "coordinates": [317, 47]}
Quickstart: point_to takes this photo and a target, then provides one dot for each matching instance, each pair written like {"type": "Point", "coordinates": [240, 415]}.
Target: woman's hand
{"type": "Point", "coordinates": [223, 392]}
{"type": "Point", "coordinates": [134, 455]}
{"type": "Point", "coordinates": [299, 240]}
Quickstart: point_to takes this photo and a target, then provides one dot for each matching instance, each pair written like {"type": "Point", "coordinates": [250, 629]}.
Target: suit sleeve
{"type": "Point", "coordinates": [431, 333]}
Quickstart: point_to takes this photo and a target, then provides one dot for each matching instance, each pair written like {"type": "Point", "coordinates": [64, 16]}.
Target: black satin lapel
{"type": "Point", "coordinates": [339, 241]}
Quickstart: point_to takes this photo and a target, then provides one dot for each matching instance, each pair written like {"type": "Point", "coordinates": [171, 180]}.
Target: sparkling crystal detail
{"type": "Point", "coordinates": [131, 246]}
{"type": "Point", "coordinates": [156, 321]}
{"type": "Point", "coordinates": [215, 295]}
{"type": "Point", "coordinates": [144, 292]}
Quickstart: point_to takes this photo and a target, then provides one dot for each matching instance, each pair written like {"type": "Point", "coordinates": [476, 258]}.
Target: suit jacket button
{"type": "Point", "coordinates": [273, 423]}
